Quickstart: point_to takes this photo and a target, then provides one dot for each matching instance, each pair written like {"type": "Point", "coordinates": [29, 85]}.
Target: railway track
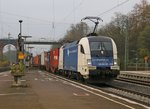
{"type": "Point", "coordinates": [139, 82]}
{"type": "Point", "coordinates": [122, 90]}
{"type": "Point", "coordinates": [2, 69]}
{"type": "Point", "coordinates": [129, 90]}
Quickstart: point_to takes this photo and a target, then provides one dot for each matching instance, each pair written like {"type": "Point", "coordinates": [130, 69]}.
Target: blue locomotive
{"type": "Point", "coordinates": [92, 59]}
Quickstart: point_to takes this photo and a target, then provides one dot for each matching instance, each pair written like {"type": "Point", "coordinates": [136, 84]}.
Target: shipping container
{"type": "Point", "coordinates": [54, 58]}
{"type": "Point", "coordinates": [43, 60]}
{"type": "Point", "coordinates": [47, 61]}
{"type": "Point", "coordinates": [36, 60]}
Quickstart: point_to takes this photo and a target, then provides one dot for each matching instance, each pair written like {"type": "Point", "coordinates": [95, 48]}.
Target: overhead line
{"type": "Point", "coordinates": [122, 3]}
{"type": "Point", "coordinates": [12, 14]}
{"type": "Point", "coordinates": [71, 12]}
{"type": "Point", "coordinates": [27, 17]}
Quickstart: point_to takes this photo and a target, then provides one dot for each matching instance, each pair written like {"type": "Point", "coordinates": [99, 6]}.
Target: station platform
{"type": "Point", "coordinates": [46, 91]}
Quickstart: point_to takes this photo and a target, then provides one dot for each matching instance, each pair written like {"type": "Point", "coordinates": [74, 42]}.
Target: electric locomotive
{"type": "Point", "coordinates": [92, 58]}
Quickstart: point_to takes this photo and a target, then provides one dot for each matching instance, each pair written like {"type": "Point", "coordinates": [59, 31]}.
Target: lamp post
{"type": "Point", "coordinates": [20, 45]}
{"type": "Point", "coordinates": [20, 40]}
{"type": "Point", "coordinates": [126, 44]}
{"type": "Point", "coordinates": [135, 58]}
{"type": "Point", "coordinates": [20, 21]}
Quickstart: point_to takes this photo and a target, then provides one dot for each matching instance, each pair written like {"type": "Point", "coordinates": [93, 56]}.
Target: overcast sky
{"type": "Point", "coordinates": [39, 15]}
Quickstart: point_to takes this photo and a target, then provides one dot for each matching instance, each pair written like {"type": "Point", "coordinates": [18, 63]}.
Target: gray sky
{"type": "Point", "coordinates": [39, 15]}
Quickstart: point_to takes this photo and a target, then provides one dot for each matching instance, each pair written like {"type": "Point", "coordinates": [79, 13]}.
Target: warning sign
{"type": "Point", "coordinates": [21, 55]}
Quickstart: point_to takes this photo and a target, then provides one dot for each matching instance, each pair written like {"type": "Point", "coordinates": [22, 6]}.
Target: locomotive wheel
{"type": "Point", "coordinates": [79, 77]}
{"type": "Point", "coordinates": [69, 75]}
{"type": "Point", "coordinates": [86, 81]}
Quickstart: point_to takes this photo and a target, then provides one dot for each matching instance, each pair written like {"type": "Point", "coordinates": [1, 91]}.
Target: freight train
{"type": "Point", "coordinates": [92, 59]}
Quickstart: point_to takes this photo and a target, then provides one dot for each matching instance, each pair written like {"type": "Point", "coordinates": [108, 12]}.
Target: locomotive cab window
{"type": "Point", "coordinates": [82, 49]}
{"type": "Point", "coordinates": [99, 48]}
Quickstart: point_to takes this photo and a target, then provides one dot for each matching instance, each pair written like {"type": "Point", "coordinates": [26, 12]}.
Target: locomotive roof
{"type": "Point", "coordinates": [90, 38]}
{"type": "Point", "coordinates": [99, 38]}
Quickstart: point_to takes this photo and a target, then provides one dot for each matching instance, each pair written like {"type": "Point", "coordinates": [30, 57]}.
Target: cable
{"type": "Point", "coordinates": [122, 3]}
{"type": "Point", "coordinates": [75, 8]}
{"type": "Point", "coordinates": [53, 23]}
{"type": "Point", "coordinates": [31, 18]}
{"type": "Point", "coordinates": [12, 14]}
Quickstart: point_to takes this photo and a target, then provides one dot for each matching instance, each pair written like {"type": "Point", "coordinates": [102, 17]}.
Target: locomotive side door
{"type": "Point", "coordinates": [82, 67]}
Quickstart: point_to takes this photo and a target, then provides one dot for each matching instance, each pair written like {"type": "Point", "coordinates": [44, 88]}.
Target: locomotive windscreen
{"type": "Point", "coordinates": [101, 48]}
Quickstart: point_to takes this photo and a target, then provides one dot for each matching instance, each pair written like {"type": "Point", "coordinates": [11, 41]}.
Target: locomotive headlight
{"type": "Point", "coordinates": [89, 61]}
{"type": "Point", "coordinates": [115, 61]}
